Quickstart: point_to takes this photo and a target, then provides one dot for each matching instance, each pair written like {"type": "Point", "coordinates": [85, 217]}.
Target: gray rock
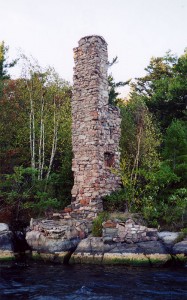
{"type": "Point", "coordinates": [94, 250]}
{"type": "Point", "coordinates": [96, 245]}
{"type": "Point", "coordinates": [151, 247]}
{"type": "Point", "coordinates": [4, 227]}
{"type": "Point", "coordinates": [168, 238]}
{"type": "Point", "coordinates": [38, 242]}
{"type": "Point", "coordinates": [91, 245]}
{"type": "Point", "coordinates": [84, 246]}
{"type": "Point", "coordinates": [124, 248]}
{"type": "Point", "coordinates": [6, 241]}
{"type": "Point", "coordinates": [107, 239]}
{"type": "Point", "coordinates": [180, 248]}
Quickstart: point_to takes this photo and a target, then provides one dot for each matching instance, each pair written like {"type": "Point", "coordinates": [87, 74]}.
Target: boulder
{"type": "Point", "coordinates": [91, 245]}
{"type": "Point", "coordinates": [6, 239]}
{"type": "Point", "coordinates": [95, 251]}
{"type": "Point", "coordinates": [180, 248]}
{"type": "Point", "coordinates": [41, 243]}
{"type": "Point", "coordinates": [6, 242]}
{"type": "Point", "coordinates": [89, 250]}
{"type": "Point", "coordinates": [168, 238]}
{"type": "Point", "coordinates": [4, 227]}
{"type": "Point", "coordinates": [151, 247]}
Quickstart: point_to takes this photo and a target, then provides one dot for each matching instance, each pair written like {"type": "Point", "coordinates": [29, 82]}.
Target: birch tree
{"type": "Point", "coordinates": [46, 94]}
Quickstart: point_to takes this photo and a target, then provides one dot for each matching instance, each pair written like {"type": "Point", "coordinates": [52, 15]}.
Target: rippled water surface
{"type": "Point", "coordinates": [50, 282]}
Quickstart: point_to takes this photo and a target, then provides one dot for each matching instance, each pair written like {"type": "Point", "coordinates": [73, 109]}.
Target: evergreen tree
{"type": "Point", "coordinates": [113, 86]}
{"type": "Point", "coordinates": [164, 87]}
{"type": "Point", "coordinates": [175, 149]}
{"type": "Point", "coordinates": [4, 65]}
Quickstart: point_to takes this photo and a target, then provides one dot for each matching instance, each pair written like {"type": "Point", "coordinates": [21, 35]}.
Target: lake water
{"type": "Point", "coordinates": [52, 282]}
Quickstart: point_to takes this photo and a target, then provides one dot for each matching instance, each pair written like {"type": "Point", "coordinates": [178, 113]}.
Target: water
{"type": "Point", "coordinates": [79, 282]}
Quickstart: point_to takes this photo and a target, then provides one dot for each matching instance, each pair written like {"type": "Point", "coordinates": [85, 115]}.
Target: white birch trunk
{"type": "Point", "coordinates": [32, 128]}
{"type": "Point", "coordinates": [43, 151]}
{"type": "Point", "coordinates": [41, 140]}
{"type": "Point", "coordinates": [54, 145]}
{"type": "Point", "coordinates": [33, 145]}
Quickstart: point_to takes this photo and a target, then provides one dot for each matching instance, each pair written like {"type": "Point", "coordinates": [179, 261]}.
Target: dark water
{"type": "Point", "coordinates": [52, 282]}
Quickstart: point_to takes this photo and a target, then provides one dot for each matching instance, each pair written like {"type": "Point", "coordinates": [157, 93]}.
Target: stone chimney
{"type": "Point", "coordinates": [95, 129]}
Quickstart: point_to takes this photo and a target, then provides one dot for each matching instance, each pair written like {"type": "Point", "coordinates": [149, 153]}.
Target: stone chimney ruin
{"type": "Point", "coordinates": [95, 129]}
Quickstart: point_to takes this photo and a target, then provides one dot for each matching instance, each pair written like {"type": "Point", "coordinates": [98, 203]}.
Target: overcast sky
{"type": "Point", "coordinates": [135, 30]}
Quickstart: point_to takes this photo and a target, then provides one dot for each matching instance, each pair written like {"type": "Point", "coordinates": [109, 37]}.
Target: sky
{"type": "Point", "coordinates": [135, 30]}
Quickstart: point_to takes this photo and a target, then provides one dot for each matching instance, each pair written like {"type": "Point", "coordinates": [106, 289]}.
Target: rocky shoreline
{"type": "Point", "coordinates": [71, 241]}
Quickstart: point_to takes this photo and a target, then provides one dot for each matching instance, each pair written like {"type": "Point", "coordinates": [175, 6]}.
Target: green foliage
{"type": "Point", "coordinates": [117, 201]}
{"type": "Point", "coordinates": [164, 87]}
{"type": "Point", "coordinates": [113, 86]}
{"type": "Point", "coordinates": [139, 151]}
{"type": "Point", "coordinates": [167, 211]}
{"type": "Point", "coordinates": [153, 144]}
{"type": "Point", "coordinates": [24, 195]}
{"type": "Point", "coordinates": [175, 149]}
{"type": "Point", "coordinates": [97, 224]}
{"type": "Point", "coordinates": [50, 160]}
{"type": "Point", "coordinates": [177, 207]}
{"type": "Point", "coordinates": [4, 64]}
{"type": "Point", "coordinates": [182, 235]}
{"type": "Point", "coordinates": [168, 204]}
{"type": "Point", "coordinates": [42, 205]}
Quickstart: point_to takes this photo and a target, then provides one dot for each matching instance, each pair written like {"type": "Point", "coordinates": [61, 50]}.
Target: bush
{"type": "Point", "coordinates": [169, 211]}
{"type": "Point", "coordinates": [117, 201]}
{"type": "Point", "coordinates": [25, 195]}
{"type": "Point", "coordinates": [97, 224]}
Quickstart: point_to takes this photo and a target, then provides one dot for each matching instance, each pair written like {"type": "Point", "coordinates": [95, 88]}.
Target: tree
{"type": "Point", "coordinates": [36, 126]}
{"type": "Point", "coordinates": [139, 144]}
{"type": "Point", "coordinates": [164, 87]}
{"type": "Point", "coordinates": [175, 149]}
{"type": "Point", "coordinates": [113, 94]}
{"type": "Point", "coordinates": [153, 144]}
{"type": "Point", "coordinates": [47, 98]}
{"type": "Point", "coordinates": [4, 65]}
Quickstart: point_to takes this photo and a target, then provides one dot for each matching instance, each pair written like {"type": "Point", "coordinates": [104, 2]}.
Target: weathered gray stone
{"type": "Point", "coordinates": [168, 237]}
{"type": "Point", "coordinates": [151, 247]}
{"type": "Point", "coordinates": [124, 248]}
{"type": "Point", "coordinates": [97, 250]}
{"type": "Point", "coordinates": [93, 250]}
{"type": "Point", "coordinates": [4, 227]}
{"type": "Point", "coordinates": [180, 248]}
{"type": "Point", "coordinates": [38, 242]}
{"type": "Point", "coordinates": [90, 245]}
{"type": "Point", "coordinates": [6, 241]}
{"type": "Point", "coordinates": [52, 236]}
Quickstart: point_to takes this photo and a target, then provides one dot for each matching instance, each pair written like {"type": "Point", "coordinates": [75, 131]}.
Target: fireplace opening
{"type": "Point", "coordinates": [109, 159]}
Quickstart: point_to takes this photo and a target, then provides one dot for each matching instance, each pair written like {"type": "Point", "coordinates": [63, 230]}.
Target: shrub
{"type": "Point", "coordinates": [117, 201]}
{"type": "Point", "coordinates": [97, 224]}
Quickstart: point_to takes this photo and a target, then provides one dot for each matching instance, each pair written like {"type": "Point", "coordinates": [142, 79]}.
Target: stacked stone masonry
{"type": "Point", "coordinates": [50, 236]}
{"type": "Point", "coordinates": [127, 232]}
{"type": "Point", "coordinates": [95, 129]}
